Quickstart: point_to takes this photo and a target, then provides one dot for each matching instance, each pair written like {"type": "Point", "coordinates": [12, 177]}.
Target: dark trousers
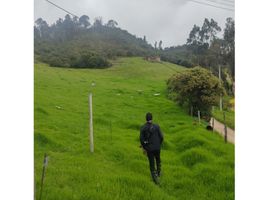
{"type": "Point", "coordinates": [154, 155]}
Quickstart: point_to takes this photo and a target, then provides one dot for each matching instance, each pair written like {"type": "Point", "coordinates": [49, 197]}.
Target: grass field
{"type": "Point", "coordinates": [229, 117]}
{"type": "Point", "coordinates": [196, 163]}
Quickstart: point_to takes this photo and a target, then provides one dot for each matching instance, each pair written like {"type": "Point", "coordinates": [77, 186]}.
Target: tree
{"type": "Point", "coordinates": [98, 22]}
{"type": "Point", "coordinates": [111, 23]}
{"type": "Point", "coordinates": [209, 31]}
{"type": "Point", "coordinates": [59, 22]}
{"type": "Point", "coordinates": [155, 45]}
{"type": "Point", "coordinates": [160, 44]}
{"type": "Point", "coordinates": [200, 39]}
{"type": "Point", "coordinates": [216, 52]}
{"type": "Point", "coordinates": [197, 88]}
{"type": "Point", "coordinates": [144, 39]}
{"type": "Point", "coordinates": [42, 28]}
{"type": "Point", "coordinates": [69, 26]}
{"type": "Point", "coordinates": [194, 36]}
{"type": "Point", "coordinates": [229, 32]}
{"type": "Point", "coordinates": [195, 44]}
{"type": "Point", "coordinates": [204, 36]}
{"type": "Point", "coordinates": [229, 37]}
{"type": "Point", "coordinates": [37, 33]}
{"type": "Point", "coordinates": [84, 21]}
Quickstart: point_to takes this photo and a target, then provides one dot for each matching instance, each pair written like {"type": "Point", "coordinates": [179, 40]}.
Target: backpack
{"type": "Point", "coordinates": [148, 133]}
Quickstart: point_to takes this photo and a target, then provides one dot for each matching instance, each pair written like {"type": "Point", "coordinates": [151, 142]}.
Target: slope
{"type": "Point", "coordinates": [61, 50]}
{"type": "Point", "coordinates": [196, 163]}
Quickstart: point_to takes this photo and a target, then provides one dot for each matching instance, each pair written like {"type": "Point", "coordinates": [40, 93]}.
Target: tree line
{"type": "Point", "coordinates": [204, 48]}
{"type": "Point", "coordinates": [76, 42]}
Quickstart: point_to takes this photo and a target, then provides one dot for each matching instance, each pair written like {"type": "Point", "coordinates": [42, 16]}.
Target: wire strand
{"type": "Point", "coordinates": [62, 8]}
{"type": "Point", "coordinates": [220, 3]}
{"type": "Point", "coordinates": [223, 1]}
{"type": "Point", "coordinates": [229, 1]}
{"type": "Point", "coordinates": [207, 4]}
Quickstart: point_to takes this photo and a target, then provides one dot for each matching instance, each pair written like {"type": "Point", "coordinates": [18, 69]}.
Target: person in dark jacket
{"type": "Point", "coordinates": [151, 139]}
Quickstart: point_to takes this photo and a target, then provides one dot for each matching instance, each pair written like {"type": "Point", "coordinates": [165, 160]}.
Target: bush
{"type": "Point", "coordinates": [185, 63]}
{"type": "Point", "coordinates": [57, 62]}
{"type": "Point", "coordinates": [197, 88]}
{"type": "Point", "coordinates": [90, 61]}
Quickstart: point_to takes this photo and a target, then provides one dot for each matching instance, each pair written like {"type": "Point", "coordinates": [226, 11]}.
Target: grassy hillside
{"type": "Point", "coordinates": [196, 163]}
{"type": "Point", "coordinates": [67, 42]}
{"type": "Point", "coordinates": [229, 117]}
{"type": "Point", "coordinates": [228, 108]}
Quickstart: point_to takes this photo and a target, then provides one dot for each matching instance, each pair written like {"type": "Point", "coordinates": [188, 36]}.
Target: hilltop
{"type": "Point", "coordinates": [63, 43]}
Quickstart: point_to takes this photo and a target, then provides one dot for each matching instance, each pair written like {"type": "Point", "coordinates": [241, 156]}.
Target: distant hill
{"type": "Point", "coordinates": [71, 43]}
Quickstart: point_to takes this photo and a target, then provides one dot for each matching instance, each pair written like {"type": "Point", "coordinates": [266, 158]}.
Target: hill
{"type": "Point", "coordinates": [67, 42]}
{"type": "Point", "coordinates": [196, 163]}
{"type": "Point", "coordinates": [75, 42]}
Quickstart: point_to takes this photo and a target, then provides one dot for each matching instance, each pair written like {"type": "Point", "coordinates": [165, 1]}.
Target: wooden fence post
{"type": "Point", "coordinates": [111, 131]}
{"type": "Point", "coordinates": [225, 128]}
{"type": "Point", "coordinates": [199, 116]}
{"type": "Point", "coordinates": [91, 124]}
{"type": "Point", "coordinates": [45, 163]}
{"type": "Point", "coordinates": [220, 83]}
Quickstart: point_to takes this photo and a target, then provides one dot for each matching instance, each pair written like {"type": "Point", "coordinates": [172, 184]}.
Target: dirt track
{"type": "Point", "coordinates": [219, 127]}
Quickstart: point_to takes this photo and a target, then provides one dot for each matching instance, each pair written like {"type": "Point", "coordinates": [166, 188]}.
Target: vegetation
{"type": "Point", "coordinates": [73, 42]}
{"type": "Point", "coordinates": [229, 117]}
{"type": "Point", "coordinates": [68, 39]}
{"type": "Point", "coordinates": [204, 48]}
{"type": "Point", "coordinates": [177, 55]}
{"type": "Point", "coordinates": [196, 164]}
{"type": "Point", "coordinates": [228, 108]}
{"type": "Point", "coordinates": [196, 88]}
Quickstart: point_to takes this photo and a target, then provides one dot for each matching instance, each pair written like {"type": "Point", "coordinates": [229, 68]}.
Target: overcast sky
{"type": "Point", "coordinates": [166, 20]}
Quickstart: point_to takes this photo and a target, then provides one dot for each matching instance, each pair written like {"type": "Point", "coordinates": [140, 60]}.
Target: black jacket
{"type": "Point", "coordinates": [151, 137]}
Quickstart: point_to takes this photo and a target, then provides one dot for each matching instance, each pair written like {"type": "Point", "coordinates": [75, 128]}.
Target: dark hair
{"type": "Point", "coordinates": [149, 116]}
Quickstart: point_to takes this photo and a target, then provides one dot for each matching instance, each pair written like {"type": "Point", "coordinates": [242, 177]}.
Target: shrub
{"type": "Point", "coordinates": [197, 88]}
{"type": "Point", "coordinates": [90, 61]}
{"type": "Point", "coordinates": [55, 61]}
{"type": "Point", "coordinates": [232, 104]}
{"type": "Point", "coordinates": [185, 63]}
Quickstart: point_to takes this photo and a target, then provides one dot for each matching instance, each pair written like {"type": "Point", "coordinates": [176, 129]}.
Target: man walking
{"type": "Point", "coordinates": [151, 139]}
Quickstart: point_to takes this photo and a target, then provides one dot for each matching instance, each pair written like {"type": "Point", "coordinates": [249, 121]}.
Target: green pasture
{"type": "Point", "coordinates": [229, 117]}
{"type": "Point", "coordinates": [196, 163]}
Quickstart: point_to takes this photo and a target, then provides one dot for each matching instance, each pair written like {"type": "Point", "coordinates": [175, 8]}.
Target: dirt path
{"type": "Point", "coordinates": [219, 127]}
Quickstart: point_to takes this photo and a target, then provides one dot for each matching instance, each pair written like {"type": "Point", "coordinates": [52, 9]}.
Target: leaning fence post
{"type": "Point", "coordinates": [45, 163]}
{"type": "Point", "coordinates": [91, 124]}
{"type": "Point", "coordinates": [225, 128]}
{"type": "Point", "coordinates": [199, 116]}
